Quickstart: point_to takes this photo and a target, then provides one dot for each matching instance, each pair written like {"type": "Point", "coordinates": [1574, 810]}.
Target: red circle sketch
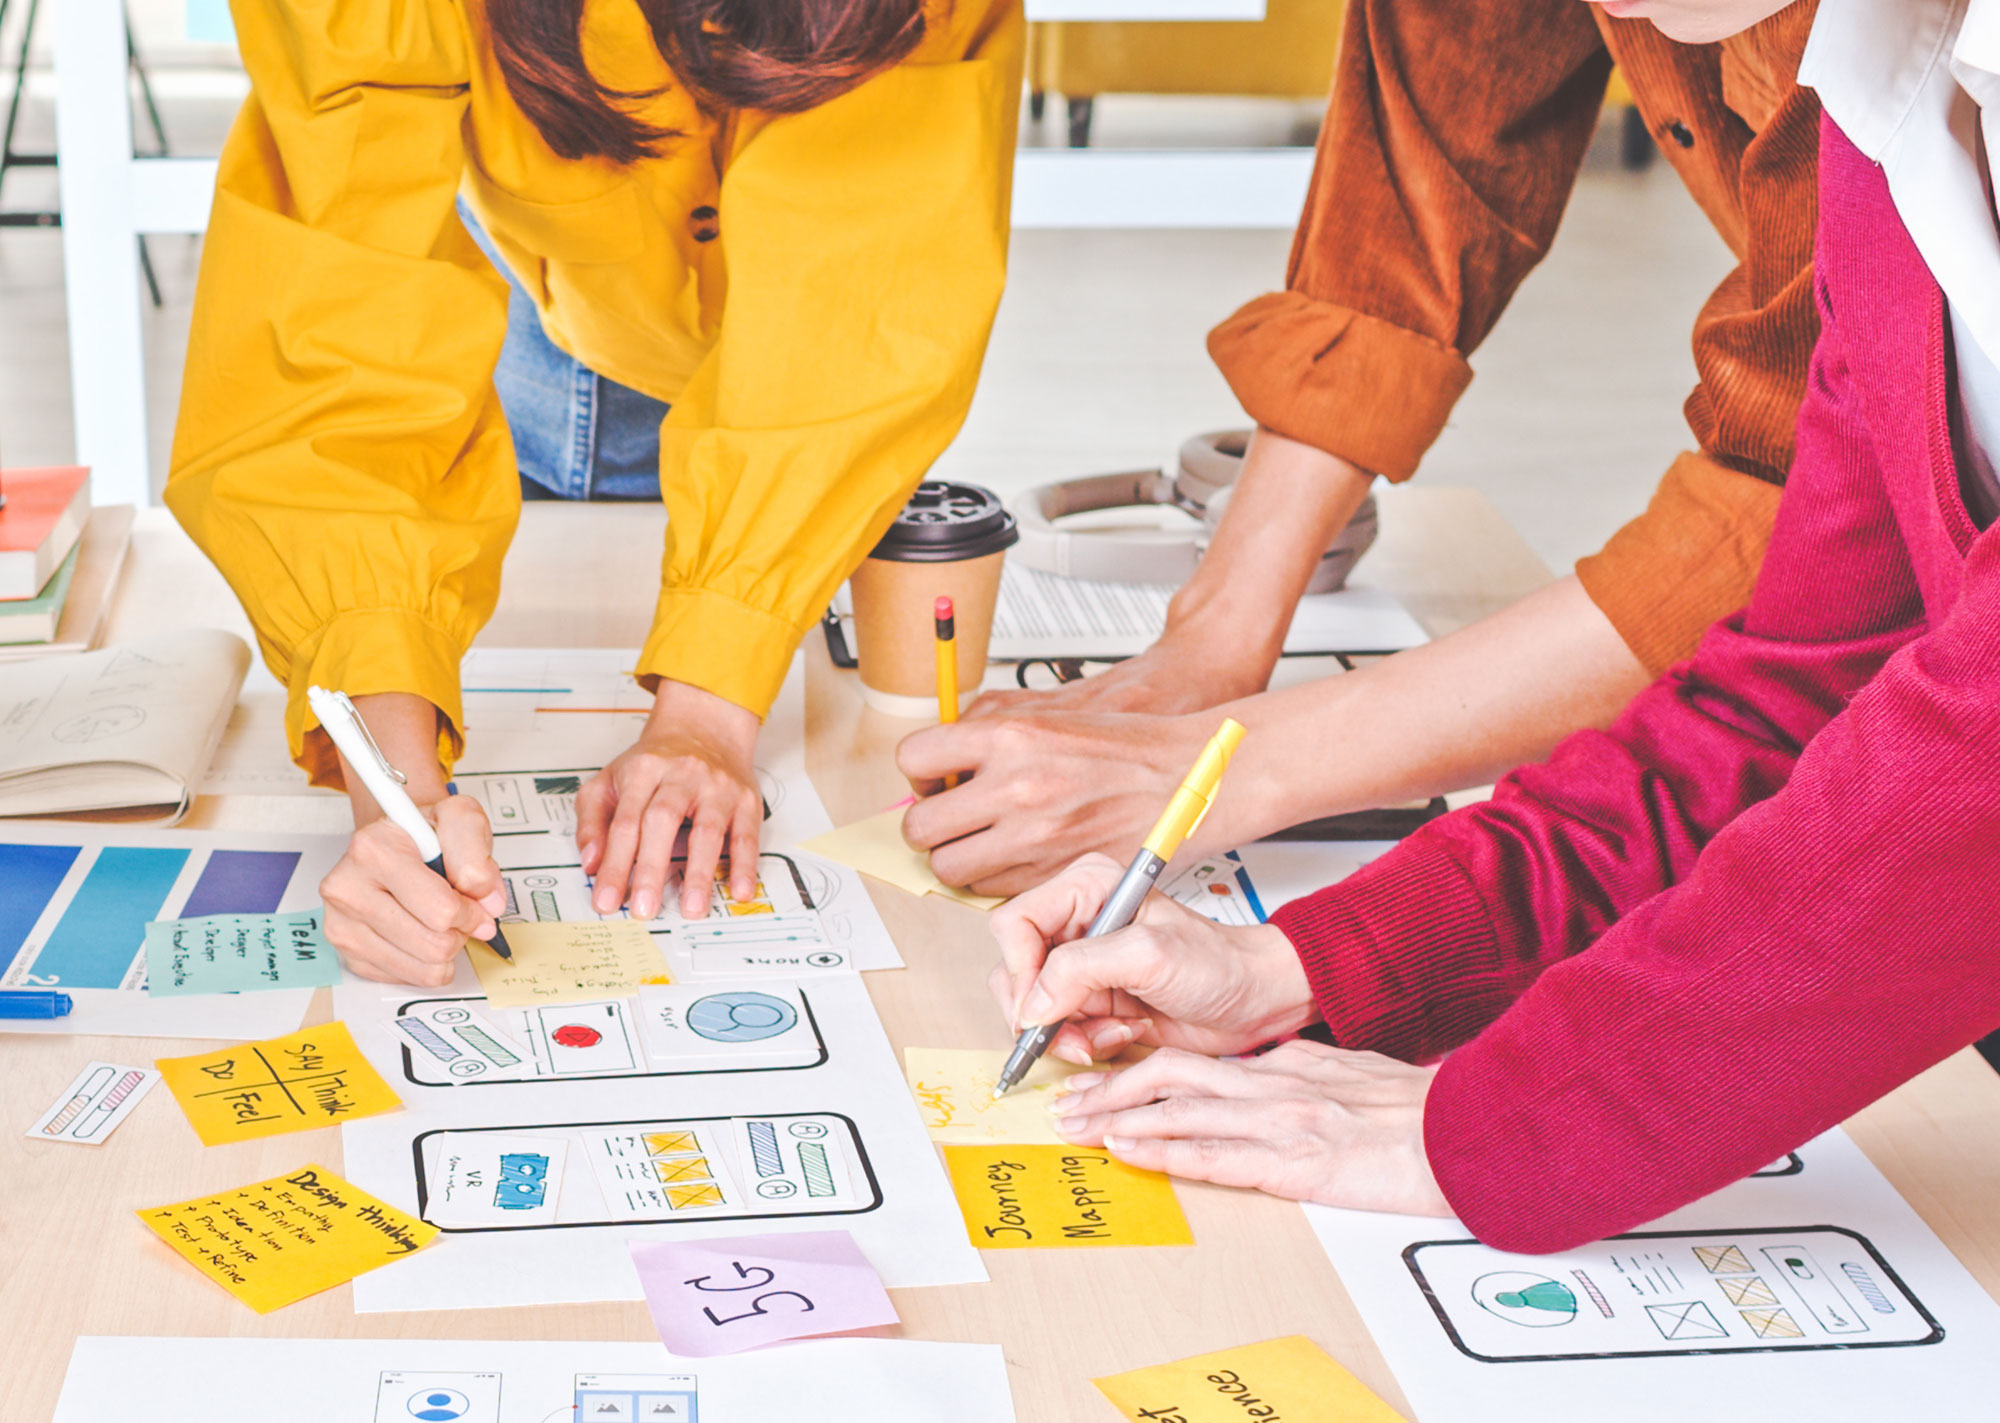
{"type": "Point", "coordinates": [577, 1035]}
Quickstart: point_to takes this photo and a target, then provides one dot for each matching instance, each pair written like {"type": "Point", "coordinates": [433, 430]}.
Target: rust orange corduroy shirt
{"type": "Point", "coordinates": [1451, 144]}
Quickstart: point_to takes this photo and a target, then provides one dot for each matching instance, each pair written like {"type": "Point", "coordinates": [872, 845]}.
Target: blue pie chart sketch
{"type": "Point", "coordinates": [1532, 1301]}
{"type": "Point", "coordinates": [439, 1405]}
{"type": "Point", "coordinates": [740, 1017]}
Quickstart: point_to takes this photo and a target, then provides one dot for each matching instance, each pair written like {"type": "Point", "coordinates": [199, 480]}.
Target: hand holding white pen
{"type": "Point", "coordinates": [414, 884]}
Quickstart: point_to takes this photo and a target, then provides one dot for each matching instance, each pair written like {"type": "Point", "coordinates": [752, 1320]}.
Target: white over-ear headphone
{"type": "Point", "coordinates": [1209, 465]}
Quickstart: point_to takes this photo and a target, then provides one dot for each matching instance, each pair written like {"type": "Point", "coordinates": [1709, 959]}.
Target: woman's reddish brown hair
{"type": "Point", "coordinates": [778, 56]}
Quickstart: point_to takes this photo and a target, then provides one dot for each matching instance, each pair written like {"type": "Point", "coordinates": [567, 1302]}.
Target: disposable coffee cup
{"type": "Point", "coordinates": [949, 541]}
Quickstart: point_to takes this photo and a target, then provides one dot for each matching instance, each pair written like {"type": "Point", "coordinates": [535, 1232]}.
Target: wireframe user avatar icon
{"type": "Point", "coordinates": [439, 1405]}
{"type": "Point", "coordinates": [1532, 1301]}
{"type": "Point", "coordinates": [740, 1017]}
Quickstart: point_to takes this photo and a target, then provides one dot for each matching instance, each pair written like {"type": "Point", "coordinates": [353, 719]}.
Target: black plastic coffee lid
{"type": "Point", "coordinates": [946, 522]}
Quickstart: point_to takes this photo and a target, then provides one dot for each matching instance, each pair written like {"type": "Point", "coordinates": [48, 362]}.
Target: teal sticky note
{"type": "Point", "coordinates": [208, 22]}
{"type": "Point", "coordinates": [238, 953]}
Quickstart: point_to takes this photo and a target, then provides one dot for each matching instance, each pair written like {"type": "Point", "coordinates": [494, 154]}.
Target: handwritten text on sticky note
{"type": "Point", "coordinates": [720, 1296]}
{"type": "Point", "coordinates": [238, 953]}
{"type": "Point", "coordinates": [1290, 1379]}
{"type": "Point", "coordinates": [316, 1077]}
{"type": "Point", "coordinates": [954, 1092]}
{"type": "Point", "coordinates": [580, 962]}
{"type": "Point", "coordinates": [1056, 1197]}
{"type": "Point", "coordinates": [273, 1242]}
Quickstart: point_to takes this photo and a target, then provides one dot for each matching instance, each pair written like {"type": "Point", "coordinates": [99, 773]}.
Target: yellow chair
{"type": "Point", "coordinates": [1286, 55]}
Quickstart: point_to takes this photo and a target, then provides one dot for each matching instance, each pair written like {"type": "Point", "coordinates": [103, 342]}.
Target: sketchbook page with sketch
{"type": "Point", "coordinates": [127, 728]}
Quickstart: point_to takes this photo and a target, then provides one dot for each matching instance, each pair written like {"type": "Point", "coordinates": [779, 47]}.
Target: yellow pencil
{"type": "Point", "coordinates": [943, 617]}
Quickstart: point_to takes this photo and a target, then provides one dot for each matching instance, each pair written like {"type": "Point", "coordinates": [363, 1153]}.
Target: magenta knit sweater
{"type": "Point", "coordinates": [1771, 892]}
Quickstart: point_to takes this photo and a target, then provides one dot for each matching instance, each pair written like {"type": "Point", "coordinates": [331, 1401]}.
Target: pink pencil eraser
{"type": "Point", "coordinates": [941, 608]}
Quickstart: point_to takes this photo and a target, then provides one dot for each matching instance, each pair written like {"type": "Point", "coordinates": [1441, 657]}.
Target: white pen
{"type": "Point", "coordinates": [350, 733]}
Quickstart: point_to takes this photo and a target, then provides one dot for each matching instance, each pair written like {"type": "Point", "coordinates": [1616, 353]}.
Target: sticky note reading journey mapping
{"type": "Point", "coordinates": [315, 1077]}
{"type": "Point", "coordinates": [569, 962]}
{"type": "Point", "coordinates": [277, 1241]}
{"type": "Point", "coordinates": [954, 1092]}
{"type": "Point", "coordinates": [711, 1297]}
{"type": "Point", "coordinates": [875, 846]}
{"type": "Point", "coordinates": [238, 953]}
{"type": "Point", "coordinates": [1292, 1378]}
{"type": "Point", "coordinates": [1059, 1197]}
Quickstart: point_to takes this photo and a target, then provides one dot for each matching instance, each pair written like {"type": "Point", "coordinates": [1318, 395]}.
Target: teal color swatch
{"type": "Point", "coordinates": [238, 953]}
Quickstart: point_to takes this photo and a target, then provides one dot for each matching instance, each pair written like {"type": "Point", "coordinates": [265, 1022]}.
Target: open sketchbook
{"type": "Point", "coordinates": [128, 728]}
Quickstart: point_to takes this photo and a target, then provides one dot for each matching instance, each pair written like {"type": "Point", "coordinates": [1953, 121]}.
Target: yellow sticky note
{"type": "Point", "coordinates": [316, 1077]}
{"type": "Point", "coordinates": [954, 1092]}
{"type": "Point", "coordinates": [875, 847]}
{"type": "Point", "coordinates": [277, 1241]}
{"type": "Point", "coordinates": [1293, 1379]}
{"type": "Point", "coordinates": [578, 962]}
{"type": "Point", "coordinates": [1059, 1197]}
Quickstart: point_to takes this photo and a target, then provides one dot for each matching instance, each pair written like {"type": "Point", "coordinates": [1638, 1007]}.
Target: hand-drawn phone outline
{"type": "Point", "coordinates": [409, 1063]}
{"type": "Point", "coordinates": [853, 1134]}
{"type": "Point", "coordinates": [1923, 1311]}
{"type": "Point", "coordinates": [1790, 1166]}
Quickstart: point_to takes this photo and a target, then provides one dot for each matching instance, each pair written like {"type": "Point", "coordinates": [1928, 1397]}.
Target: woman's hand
{"type": "Point", "coordinates": [1303, 1121]}
{"type": "Point", "coordinates": [387, 912]}
{"type": "Point", "coordinates": [1173, 978]}
{"type": "Point", "coordinates": [690, 765]}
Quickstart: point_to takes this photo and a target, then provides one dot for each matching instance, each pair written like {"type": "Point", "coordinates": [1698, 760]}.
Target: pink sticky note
{"type": "Point", "coordinates": [721, 1296]}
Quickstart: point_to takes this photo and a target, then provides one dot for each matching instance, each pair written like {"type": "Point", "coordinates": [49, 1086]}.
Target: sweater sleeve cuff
{"type": "Point", "coordinates": [1340, 380]}
{"type": "Point", "coordinates": [711, 641]}
{"type": "Point", "coordinates": [1689, 560]}
{"type": "Point", "coordinates": [1385, 951]}
{"type": "Point", "coordinates": [363, 653]}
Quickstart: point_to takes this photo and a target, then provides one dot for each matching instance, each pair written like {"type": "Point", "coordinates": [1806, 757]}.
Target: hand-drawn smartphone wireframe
{"type": "Point", "coordinates": [428, 1396]}
{"type": "Point", "coordinates": [779, 1166]}
{"type": "Point", "coordinates": [1656, 1293]}
{"type": "Point", "coordinates": [669, 1031]}
{"type": "Point", "coordinates": [637, 1398]}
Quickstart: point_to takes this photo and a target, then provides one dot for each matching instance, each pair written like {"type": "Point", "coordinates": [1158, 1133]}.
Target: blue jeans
{"type": "Point", "coordinates": [577, 434]}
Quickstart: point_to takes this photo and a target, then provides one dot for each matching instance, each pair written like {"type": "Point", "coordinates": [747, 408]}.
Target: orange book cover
{"type": "Point", "coordinates": [39, 524]}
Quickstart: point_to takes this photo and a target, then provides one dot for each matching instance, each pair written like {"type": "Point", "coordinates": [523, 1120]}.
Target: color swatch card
{"type": "Point", "coordinates": [91, 1107]}
{"type": "Point", "coordinates": [721, 1296]}
{"type": "Point", "coordinates": [239, 953]}
{"type": "Point", "coordinates": [1059, 1197]}
{"type": "Point", "coordinates": [1292, 1379]}
{"type": "Point", "coordinates": [482, 1178]}
{"type": "Point", "coordinates": [572, 961]}
{"type": "Point", "coordinates": [316, 1077]}
{"type": "Point", "coordinates": [274, 1242]}
{"type": "Point", "coordinates": [954, 1092]}
{"type": "Point", "coordinates": [876, 847]}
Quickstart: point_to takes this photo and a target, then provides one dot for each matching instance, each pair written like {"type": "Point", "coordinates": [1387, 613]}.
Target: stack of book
{"type": "Point", "coordinates": [59, 562]}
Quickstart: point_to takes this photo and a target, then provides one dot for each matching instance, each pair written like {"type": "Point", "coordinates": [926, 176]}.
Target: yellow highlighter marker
{"type": "Point", "coordinates": [1183, 815]}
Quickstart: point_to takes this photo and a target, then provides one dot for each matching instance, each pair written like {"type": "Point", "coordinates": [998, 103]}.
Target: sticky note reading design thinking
{"type": "Point", "coordinates": [1291, 1379]}
{"type": "Point", "coordinates": [238, 953]}
{"type": "Point", "coordinates": [876, 847]}
{"type": "Point", "coordinates": [581, 962]}
{"type": "Point", "coordinates": [316, 1077]}
{"type": "Point", "coordinates": [954, 1092]}
{"type": "Point", "coordinates": [1060, 1197]}
{"type": "Point", "coordinates": [277, 1241]}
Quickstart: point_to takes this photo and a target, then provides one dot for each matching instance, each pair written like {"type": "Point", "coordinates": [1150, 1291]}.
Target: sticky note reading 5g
{"type": "Point", "coordinates": [719, 1296]}
{"type": "Point", "coordinates": [1061, 1197]}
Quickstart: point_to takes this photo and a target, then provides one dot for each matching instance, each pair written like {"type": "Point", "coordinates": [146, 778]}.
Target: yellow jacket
{"type": "Point", "coordinates": [341, 454]}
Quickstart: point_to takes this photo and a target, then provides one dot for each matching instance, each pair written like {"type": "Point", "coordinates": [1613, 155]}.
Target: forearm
{"type": "Point", "coordinates": [1285, 508]}
{"type": "Point", "coordinates": [405, 727]}
{"type": "Point", "coordinates": [1458, 712]}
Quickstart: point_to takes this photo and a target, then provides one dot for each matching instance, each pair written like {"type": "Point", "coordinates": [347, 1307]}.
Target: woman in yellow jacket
{"type": "Point", "coordinates": [780, 227]}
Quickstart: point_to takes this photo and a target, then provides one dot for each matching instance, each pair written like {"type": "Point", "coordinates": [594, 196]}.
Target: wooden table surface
{"type": "Point", "coordinates": [73, 1260]}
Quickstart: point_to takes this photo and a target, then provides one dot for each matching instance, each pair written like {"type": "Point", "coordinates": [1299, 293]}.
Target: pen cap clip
{"type": "Point", "coordinates": [323, 701]}
{"type": "Point", "coordinates": [1191, 803]}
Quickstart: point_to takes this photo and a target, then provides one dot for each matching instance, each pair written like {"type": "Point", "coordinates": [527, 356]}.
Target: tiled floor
{"type": "Point", "coordinates": [1097, 360]}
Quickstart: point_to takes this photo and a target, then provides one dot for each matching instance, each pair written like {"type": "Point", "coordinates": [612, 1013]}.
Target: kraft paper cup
{"type": "Point", "coordinates": [950, 541]}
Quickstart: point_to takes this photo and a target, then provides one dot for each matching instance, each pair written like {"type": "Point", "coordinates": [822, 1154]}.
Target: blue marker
{"type": "Point", "coordinates": [22, 1003]}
